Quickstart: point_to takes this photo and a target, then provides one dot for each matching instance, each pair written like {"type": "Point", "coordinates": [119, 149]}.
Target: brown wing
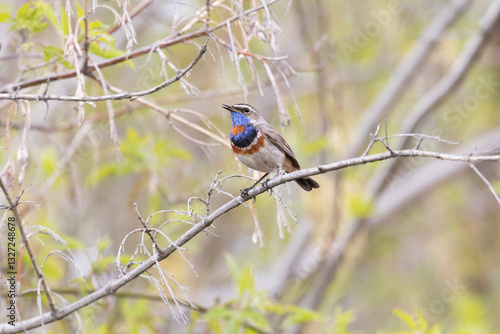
{"type": "Point", "coordinates": [275, 138]}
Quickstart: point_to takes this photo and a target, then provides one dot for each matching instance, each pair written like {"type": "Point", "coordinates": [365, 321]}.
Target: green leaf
{"type": "Point", "coordinates": [48, 11]}
{"type": "Point", "coordinates": [436, 329]}
{"type": "Point", "coordinates": [255, 318]}
{"type": "Point", "coordinates": [51, 52]}
{"type": "Point", "coordinates": [23, 11]}
{"type": "Point", "coordinates": [232, 326]}
{"type": "Point", "coordinates": [246, 281]}
{"type": "Point", "coordinates": [95, 25]}
{"type": "Point", "coordinates": [294, 314]}
{"type": "Point", "coordinates": [64, 26]}
{"type": "Point", "coordinates": [107, 53]}
{"type": "Point", "coordinates": [406, 318]}
{"type": "Point", "coordinates": [299, 315]}
{"type": "Point", "coordinates": [73, 243]}
{"type": "Point", "coordinates": [276, 308]}
{"type": "Point", "coordinates": [420, 321]}
{"type": "Point", "coordinates": [4, 17]}
{"type": "Point", "coordinates": [342, 320]}
{"type": "Point", "coordinates": [28, 18]}
{"type": "Point", "coordinates": [102, 173]}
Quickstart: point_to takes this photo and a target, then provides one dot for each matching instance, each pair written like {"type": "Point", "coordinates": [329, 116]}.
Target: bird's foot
{"type": "Point", "coordinates": [265, 186]}
{"type": "Point", "coordinates": [244, 194]}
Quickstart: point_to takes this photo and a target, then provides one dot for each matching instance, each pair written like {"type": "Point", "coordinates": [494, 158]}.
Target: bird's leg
{"type": "Point", "coordinates": [264, 184]}
{"type": "Point", "coordinates": [244, 192]}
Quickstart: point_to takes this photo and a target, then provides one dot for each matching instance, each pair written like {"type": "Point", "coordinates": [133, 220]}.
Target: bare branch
{"type": "Point", "coordinates": [86, 43]}
{"type": "Point", "coordinates": [207, 220]}
{"type": "Point", "coordinates": [430, 101]}
{"type": "Point", "coordinates": [38, 272]}
{"type": "Point", "coordinates": [121, 96]}
{"type": "Point", "coordinates": [139, 52]}
{"type": "Point", "coordinates": [407, 69]}
{"type": "Point", "coordinates": [137, 10]}
{"type": "Point", "coordinates": [485, 180]}
{"type": "Point", "coordinates": [111, 114]}
{"type": "Point", "coordinates": [459, 69]}
{"type": "Point", "coordinates": [147, 229]}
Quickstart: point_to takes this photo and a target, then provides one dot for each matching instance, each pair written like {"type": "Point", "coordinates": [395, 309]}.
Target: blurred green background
{"type": "Point", "coordinates": [420, 255]}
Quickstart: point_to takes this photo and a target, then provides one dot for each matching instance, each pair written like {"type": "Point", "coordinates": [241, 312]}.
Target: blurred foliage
{"type": "Point", "coordinates": [141, 154]}
{"type": "Point", "coordinates": [447, 234]}
{"type": "Point", "coordinates": [360, 206]}
{"type": "Point", "coordinates": [27, 18]}
{"type": "Point", "coordinates": [252, 308]}
{"type": "Point", "coordinates": [32, 17]}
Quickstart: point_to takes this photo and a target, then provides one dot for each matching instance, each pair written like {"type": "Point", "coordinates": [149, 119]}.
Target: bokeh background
{"type": "Point", "coordinates": [407, 250]}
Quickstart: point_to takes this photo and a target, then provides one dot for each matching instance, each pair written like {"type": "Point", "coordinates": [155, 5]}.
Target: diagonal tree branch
{"type": "Point", "coordinates": [12, 206]}
{"type": "Point", "coordinates": [426, 105]}
{"type": "Point", "coordinates": [423, 180]}
{"type": "Point", "coordinates": [170, 114]}
{"type": "Point", "coordinates": [430, 101]}
{"type": "Point", "coordinates": [386, 206]}
{"type": "Point", "coordinates": [134, 54]}
{"type": "Point", "coordinates": [137, 10]}
{"type": "Point", "coordinates": [121, 96]}
{"type": "Point", "coordinates": [406, 70]}
{"type": "Point", "coordinates": [116, 284]}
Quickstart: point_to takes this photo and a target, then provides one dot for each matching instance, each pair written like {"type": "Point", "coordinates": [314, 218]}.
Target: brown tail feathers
{"type": "Point", "coordinates": [307, 183]}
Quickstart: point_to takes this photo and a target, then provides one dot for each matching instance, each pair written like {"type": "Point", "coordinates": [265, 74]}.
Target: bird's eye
{"type": "Point", "coordinates": [246, 110]}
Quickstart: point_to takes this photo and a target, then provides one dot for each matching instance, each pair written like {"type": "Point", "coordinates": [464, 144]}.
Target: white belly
{"type": "Point", "coordinates": [268, 159]}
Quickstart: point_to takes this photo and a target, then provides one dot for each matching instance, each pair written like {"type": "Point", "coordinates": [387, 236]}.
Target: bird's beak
{"type": "Point", "coordinates": [228, 107]}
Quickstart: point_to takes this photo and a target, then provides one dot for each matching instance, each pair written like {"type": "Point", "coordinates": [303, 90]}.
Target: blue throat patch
{"type": "Point", "coordinates": [246, 137]}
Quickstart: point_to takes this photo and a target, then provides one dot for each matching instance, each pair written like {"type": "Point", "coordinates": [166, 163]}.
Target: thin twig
{"type": "Point", "coordinates": [136, 11]}
{"type": "Point", "coordinates": [485, 180]}
{"type": "Point", "coordinates": [122, 96]}
{"type": "Point", "coordinates": [206, 221]}
{"type": "Point", "coordinates": [172, 115]}
{"type": "Point", "coordinates": [134, 54]}
{"type": "Point", "coordinates": [119, 294]}
{"type": "Point", "coordinates": [407, 70]}
{"type": "Point", "coordinates": [442, 90]}
{"type": "Point", "coordinates": [147, 229]}
{"type": "Point", "coordinates": [372, 141]}
{"type": "Point", "coordinates": [86, 43]}
{"type": "Point", "coordinates": [111, 114]}
{"type": "Point", "coordinates": [38, 272]}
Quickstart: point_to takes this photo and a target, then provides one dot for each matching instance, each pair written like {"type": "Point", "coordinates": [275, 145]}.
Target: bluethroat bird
{"type": "Point", "coordinates": [257, 145]}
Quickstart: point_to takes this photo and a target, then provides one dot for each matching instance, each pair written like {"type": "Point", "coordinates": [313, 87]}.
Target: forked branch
{"type": "Point", "coordinates": [207, 220]}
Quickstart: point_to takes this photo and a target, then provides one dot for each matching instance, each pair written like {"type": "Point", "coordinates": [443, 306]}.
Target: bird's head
{"type": "Point", "coordinates": [243, 114]}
